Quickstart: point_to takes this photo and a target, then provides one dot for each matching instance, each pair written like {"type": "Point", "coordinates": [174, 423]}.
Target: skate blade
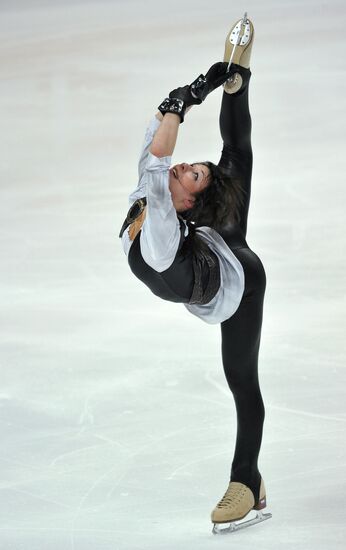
{"type": "Point", "coordinates": [240, 35]}
{"type": "Point", "coordinates": [236, 526]}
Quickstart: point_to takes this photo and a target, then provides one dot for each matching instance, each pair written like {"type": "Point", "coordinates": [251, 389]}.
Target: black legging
{"type": "Point", "coordinates": [241, 333]}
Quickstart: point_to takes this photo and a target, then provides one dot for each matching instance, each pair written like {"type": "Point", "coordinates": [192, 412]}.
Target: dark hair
{"type": "Point", "coordinates": [219, 203]}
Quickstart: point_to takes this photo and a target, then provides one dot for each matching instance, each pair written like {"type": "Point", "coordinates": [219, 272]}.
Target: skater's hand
{"type": "Point", "coordinates": [215, 77]}
{"type": "Point", "coordinates": [196, 92]}
{"type": "Point", "coordinates": [184, 93]}
{"type": "Point", "coordinates": [181, 99]}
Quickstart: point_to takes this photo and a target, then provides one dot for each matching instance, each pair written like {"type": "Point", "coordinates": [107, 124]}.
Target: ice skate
{"type": "Point", "coordinates": [237, 503]}
{"type": "Point", "coordinates": [238, 48]}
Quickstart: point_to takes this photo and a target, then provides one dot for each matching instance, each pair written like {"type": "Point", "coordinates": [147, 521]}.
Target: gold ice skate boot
{"type": "Point", "coordinates": [238, 48]}
{"type": "Point", "coordinates": [236, 503]}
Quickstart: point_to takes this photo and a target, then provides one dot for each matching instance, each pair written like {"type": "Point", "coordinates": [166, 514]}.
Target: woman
{"type": "Point", "coordinates": [185, 237]}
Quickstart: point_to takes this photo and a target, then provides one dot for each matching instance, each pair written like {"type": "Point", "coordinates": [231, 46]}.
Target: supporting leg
{"type": "Point", "coordinates": [241, 335]}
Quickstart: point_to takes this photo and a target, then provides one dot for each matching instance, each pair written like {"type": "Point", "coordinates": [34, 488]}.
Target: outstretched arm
{"type": "Point", "coordinates": [159, 143]}
{"type": "Point", "coordinates": [184, 97]}
{"type": "Point", "coordinates": [166, 136]}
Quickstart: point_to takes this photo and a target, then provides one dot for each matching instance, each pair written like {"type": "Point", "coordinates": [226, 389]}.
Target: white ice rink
{"type": "Point", "coordinates": [117, 425]}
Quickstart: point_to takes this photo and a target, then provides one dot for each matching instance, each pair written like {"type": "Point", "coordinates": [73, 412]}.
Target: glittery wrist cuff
{"type": "Point", "coordinates": [173, 105]}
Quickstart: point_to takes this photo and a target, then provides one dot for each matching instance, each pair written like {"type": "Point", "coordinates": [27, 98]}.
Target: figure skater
{"type": "Point", "coordinates": [185, 238]}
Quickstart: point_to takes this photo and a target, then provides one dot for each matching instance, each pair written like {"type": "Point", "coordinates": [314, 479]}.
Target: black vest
{"type": "Point", "coordinates": [175, 283]}
{"type": "Point", "coordinates": [192, 278]}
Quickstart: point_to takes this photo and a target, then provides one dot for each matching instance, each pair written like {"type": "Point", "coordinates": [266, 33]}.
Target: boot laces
{"type": "Point", "coordinates": [232, 497]}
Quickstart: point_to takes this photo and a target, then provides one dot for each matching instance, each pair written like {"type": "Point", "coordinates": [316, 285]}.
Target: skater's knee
{"type": "Point", "coordinates": [242, 381]}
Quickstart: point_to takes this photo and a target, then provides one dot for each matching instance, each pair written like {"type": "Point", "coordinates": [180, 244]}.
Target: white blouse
{"type": "Point", "coordinates": [160, 235]}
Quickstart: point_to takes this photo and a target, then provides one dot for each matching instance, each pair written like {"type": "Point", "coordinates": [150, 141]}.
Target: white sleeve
{"type": "Point", "coordinates": [140, 190]}
{"type": "Point", "coordinates": [160, 235]}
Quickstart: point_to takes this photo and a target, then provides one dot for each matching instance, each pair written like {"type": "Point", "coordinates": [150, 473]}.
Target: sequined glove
{"type": "Point", "coordinates": [178, 101]}
{"type": "Point", "coordinates": [173, 105]}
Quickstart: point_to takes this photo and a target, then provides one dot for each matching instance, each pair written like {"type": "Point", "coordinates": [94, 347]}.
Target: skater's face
{"type": "Point", "coordinates": [185, 182]}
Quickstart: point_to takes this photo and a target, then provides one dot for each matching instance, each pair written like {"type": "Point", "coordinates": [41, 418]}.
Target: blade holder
{"type": "Point", "coordinates": [240, 35]}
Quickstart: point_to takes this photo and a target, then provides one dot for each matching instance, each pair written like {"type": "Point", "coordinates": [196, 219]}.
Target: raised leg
{"type": "Point", "coordinates": [235, 128]}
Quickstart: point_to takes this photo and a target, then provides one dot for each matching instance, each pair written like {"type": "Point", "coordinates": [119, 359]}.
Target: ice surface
{"type": "Point", "coordinates": [117, 425]}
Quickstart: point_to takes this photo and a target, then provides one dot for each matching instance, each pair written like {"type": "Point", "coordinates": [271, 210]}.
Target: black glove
{"type": "Point", "coordinates": [193, 94]}
{"type": "Point", "coordinates": [173, 105]}
{"type": "Point", "coordinates": [216, 75]}
{"type": "Point", "coordinates": [178, 101]}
